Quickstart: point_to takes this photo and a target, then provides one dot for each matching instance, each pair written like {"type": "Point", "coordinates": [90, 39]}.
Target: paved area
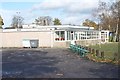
{"type": "Point", "coordinates": [52, 63]}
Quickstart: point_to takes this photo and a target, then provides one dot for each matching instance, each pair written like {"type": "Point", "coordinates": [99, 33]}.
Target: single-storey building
{"type": "Point", "coordinates": [51, 36]}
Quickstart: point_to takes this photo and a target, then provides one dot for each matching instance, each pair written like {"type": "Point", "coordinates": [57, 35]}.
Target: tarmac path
{"type": "Point", "coordinates": [52, 63]}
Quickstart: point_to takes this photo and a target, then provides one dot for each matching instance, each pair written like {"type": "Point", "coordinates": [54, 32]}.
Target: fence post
{"type": "Point", "coordinates": [90, 50]}
{"type": "Point", "coordinates": [93, 51]}
{"type": "Point", "coordinates": [97, 53]}
{"type": "Point", "coordinates": [115, 56]}
{"type": "Point", "coordinates": [86, 48]}
{"type": "Point", "coordinates": [102, 54]}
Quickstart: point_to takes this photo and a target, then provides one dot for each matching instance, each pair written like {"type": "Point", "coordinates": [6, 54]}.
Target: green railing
{"type": "Point", "coordinates": [80, 50]}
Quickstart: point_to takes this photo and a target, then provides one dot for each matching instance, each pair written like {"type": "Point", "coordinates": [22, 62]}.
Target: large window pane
{"type": "Point", "coordinates": [60, 35]}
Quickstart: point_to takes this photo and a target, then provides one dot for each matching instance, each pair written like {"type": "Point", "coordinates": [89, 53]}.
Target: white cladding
{"type": "Point", "coordinates": [33, 26]}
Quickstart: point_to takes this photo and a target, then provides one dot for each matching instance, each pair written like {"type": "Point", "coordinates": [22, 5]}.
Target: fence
{"type": "Point", "coordinates": [83, 51]}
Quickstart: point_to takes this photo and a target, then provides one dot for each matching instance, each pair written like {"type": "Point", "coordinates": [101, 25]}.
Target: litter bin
{"type": "Point", "coordinates": [34, 43]}
{"type": "Point", "coordinates": [26, 43]}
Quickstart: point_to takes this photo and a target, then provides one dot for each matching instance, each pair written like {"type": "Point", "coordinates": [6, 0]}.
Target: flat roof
{"type": "Point", "coordinates": [39, 30]}
{"type": "Point", "coordinates": [51, 28]}
{"type": "Point", "coordinates": [57, 26]}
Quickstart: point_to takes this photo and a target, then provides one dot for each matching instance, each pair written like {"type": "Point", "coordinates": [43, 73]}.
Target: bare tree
{"type": "Point", "coordinates": [103, 14]}
{"type": "Point", "coordinates": [108, 17]}
{"type": "Point", "coordinates": [116, 19]}
{"type": "Point", "coordinates": [17, 21]}
{"type": "Point", "coordinates": [43, 21]}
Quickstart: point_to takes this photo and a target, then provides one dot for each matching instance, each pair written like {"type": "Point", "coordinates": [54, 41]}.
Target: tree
{"type": "Point", "coordinates": [89, 23]}
{"type": "Point", "coordinates": [102, 13]}
{"type": "Point", "coordinates": [115, 9]}
{"type": "Point", "coordinates": [56, 21]}
{"type": "Point", "coordinates": [119, 20]}
{"type": "Point", "coordinates": [1, 22]}
{"type": "Point", "coordinates": [17, 21]}
{"type": "Point", "coordinates": [43, 21]}
{"type": "Point", "coordinates": [108, 17]}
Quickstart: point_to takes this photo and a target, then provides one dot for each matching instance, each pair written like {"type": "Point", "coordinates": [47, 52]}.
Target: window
{"type": "Point", "coordinates": [83, 35]}
{"type": "Point", "coordinates": [79, 36]}
{"type": "Point", "coordinates": [70, 35]}
{"type": "Point", "coordinates": [76, 36]}
{"type": "Point", "coordinates": [60, 35]}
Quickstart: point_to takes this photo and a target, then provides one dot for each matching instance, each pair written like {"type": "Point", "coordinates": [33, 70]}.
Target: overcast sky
{"type": "Point", "coordinates": [68, 11]}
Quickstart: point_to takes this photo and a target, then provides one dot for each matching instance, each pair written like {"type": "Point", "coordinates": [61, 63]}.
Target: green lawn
{"type": "Point", "coordinates": [108, 48]}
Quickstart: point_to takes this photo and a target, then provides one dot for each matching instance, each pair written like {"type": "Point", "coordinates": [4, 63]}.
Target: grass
{"type": "Point", "coordinates": [109, 50]}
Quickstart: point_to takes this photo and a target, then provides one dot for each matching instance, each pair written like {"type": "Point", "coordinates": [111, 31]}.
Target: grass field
{"type": "Point", "coordinates": [108, 48]}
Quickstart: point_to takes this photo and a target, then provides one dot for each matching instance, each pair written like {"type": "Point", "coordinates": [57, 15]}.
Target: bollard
{"type": "Point", "coordinates": [90, 50]}
{"type": "Point", "coordinates": [102, 54]}
{"type": "Point", "coordinates": [86, 48]}
{"type": "Point", "coordinates": [115, 56]}
{"type": "Point", "coordinates": [93, 51]}
{"type": "Point", "coordinates": [97, 53]}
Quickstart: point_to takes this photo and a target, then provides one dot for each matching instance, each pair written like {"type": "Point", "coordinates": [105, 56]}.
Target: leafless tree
{"type": "Point", "coordinates": [17, 21]}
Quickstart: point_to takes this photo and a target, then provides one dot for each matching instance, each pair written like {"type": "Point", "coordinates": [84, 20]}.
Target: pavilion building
{"type": "Point", "coordinates": [52, 36]}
